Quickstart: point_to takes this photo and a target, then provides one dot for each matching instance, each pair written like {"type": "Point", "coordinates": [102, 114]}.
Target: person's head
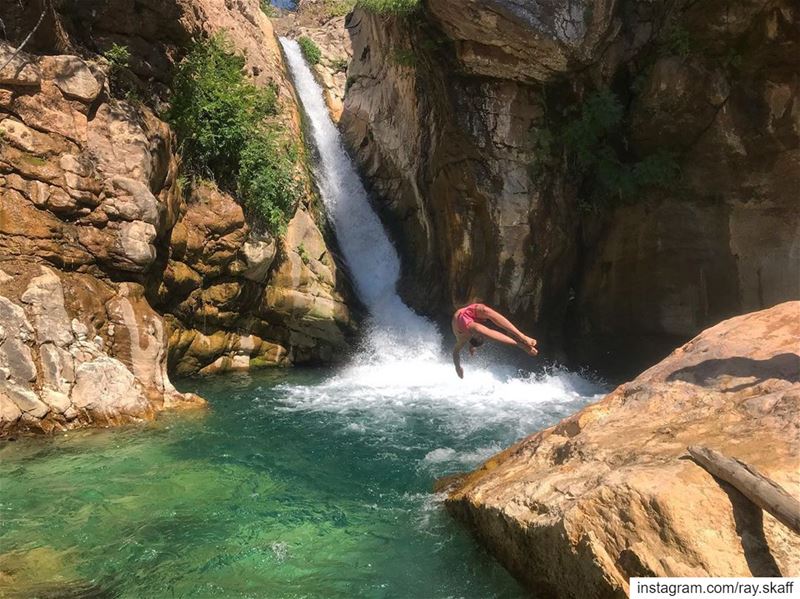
{"type": "Point", "coordinates": [475, 341]}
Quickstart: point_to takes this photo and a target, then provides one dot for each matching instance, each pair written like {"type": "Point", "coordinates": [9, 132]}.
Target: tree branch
{"type": "Point", "coordinates": [25, 41]}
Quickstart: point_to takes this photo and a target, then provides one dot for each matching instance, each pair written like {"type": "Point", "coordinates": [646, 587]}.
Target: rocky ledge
{"type": "Point", "coordinates": [608, 493]}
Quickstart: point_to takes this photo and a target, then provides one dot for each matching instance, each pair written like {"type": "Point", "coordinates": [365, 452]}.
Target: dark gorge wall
{"type": "Point", "coordinates": [616, 175]}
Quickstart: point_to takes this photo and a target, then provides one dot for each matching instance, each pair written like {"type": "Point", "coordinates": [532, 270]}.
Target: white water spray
{"type": "Point", "coordinates": [401, 367]}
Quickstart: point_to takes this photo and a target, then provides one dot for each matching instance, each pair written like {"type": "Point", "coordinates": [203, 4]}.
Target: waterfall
{"type": "Point", "coordinates": [401, 369]}
{"type": "Point", "coordinates": [370, 255]}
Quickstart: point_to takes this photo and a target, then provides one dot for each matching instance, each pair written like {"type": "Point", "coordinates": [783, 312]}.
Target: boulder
{"type": "Point", "coordinates": [608, 493]}
{"type": "Point", "coordinates": [73, 77]}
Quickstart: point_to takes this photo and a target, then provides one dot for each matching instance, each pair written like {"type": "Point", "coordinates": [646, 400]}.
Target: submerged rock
{"type": "Point", "coordinates": [577, 509]}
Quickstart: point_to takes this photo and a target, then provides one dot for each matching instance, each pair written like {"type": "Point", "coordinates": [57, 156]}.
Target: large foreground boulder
{"type": "Point", "coordinates": [609, 493]}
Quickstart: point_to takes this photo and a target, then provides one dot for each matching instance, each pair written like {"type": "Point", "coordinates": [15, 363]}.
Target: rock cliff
{"type": "Point", "coordinates": [112, 270]}
{"type": "Point", "coordinates": [617, 176]}
{"type": "Point", "coordinates": [607, 494]}
{"type": "Point", "coordinates": [316, 20]}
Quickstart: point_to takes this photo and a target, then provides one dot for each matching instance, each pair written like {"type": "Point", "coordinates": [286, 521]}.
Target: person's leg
{"type": "Point", "coordinates": [502, 321]}
{"type": "Point", "coordinates": [502, 338]}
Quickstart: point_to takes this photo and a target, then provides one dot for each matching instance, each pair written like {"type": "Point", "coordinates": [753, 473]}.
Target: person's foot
{"type": "Point", "coordinates": [528, 348]}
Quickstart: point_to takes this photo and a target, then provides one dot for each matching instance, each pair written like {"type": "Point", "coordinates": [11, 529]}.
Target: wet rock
{"type": "Point", "coordinates": [105, 389]}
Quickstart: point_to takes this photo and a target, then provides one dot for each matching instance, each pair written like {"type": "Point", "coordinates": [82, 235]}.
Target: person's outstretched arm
{"type": "Point", "coordinates": [503, 338]}
{"type": "Point", "coordinates": [505, 323]}
{"type": "Point", "coordinates": [457, 359]}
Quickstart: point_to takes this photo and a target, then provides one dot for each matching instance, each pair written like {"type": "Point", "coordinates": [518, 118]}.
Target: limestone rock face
{"type": "Point", "coordinates": [236, 296]}
{"type": "Point", "coordinates": [313, 19]}
{"type": "Point", "coordinates": [452, 114]}
{"type": "Point", "coordinates": [112, 270]}
{"type": "Point", "coordinates": [577, 509]}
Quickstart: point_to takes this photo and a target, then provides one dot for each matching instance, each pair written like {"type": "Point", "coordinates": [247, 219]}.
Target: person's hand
{"type": "Point", "coordinates": [460, 372]}
{"type": "Point", "coordinates": [472, 350]}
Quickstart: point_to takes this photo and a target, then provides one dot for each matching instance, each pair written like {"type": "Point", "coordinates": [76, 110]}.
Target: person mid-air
{"type": "Point", "coordinates": [468, 328]}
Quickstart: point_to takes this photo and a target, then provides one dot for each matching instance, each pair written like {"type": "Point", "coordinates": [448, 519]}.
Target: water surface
{"type": "Point", "coordinates": [285, 488]}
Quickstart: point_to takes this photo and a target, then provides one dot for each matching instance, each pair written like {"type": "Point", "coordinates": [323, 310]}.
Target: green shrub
{"type": "Point", "coordinates": [677, 41]}
{"type": "Point", "coordinates": [339, 65]}
{"type": "Point", "coordinates": [339, 8]}
{"type": "Point", "coordinates": [310, 50]}
{"type": "Point", "coordinates": [121, 81]}
{"type": "Point", "coordinates": [404, 58]}
{"type": "Point", "coordinates": [221, 121]}
{"type": "Point", "coordinates": [118, 57]}
{"type": "Point", "coordinates": [215, 109]}
{"type": "Point", "coordinates": [389, 7]}
{"type": "Point", "coordinates": [591, 138]}
{"type": "Point", "coordinates": [266, 183]}
{"type": "Point", "coordinates": [268, 9]}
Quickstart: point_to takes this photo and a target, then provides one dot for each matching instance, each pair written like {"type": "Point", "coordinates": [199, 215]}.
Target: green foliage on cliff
{"type": "Point", "coordinates": [591, 141]}
{"type": "Point", "coordinates": [339, 8]}
{"type": "Point", "coordinates": [221, 121]}
{"type": "Point", "coordinates": [404, 57]}
{"type": "Point", "coordinates": [268, 9]}
{"type": "Point", "coordinates": [310, 50]}
{"type": "Point", "coordinates": [266, 179]}
{"type": "Point", "coordinates": [120, 79]}
{"type": "Point", "coordinates": [118, 57]}
{"type": "Point", "coordinates": [389, 7]}
{"type": "Point", "coordinates": [677, 41]}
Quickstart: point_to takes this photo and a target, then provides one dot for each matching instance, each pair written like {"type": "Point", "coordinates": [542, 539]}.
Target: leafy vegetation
{"type": "Point", "coordinates": [404, 58]}
{"type": "Point", "coordinates": [221, 121]}
{"type": "Point", "coordinates": [310, 50]}
{"type": "Point", "coordinates": [339, 65]}
{"type": "Point", "coordinates": [268, 9]}
{"type": "Point", "coordinates": [591, 144]}
{"type": "Point", "coordinates": [339, 8]}
{"type": "Point", "coordinates": [118, 57]}
{"type": "Point", "coordinates": [303, 253]}
{"type": "Point", "coordinates": [266, 179]}
{"type": "Point", "coordinates": [678, 41]}
{"type": "Point", "coordinates": [121, 80]}
{"type": "Point", "coordinates": [390, 7]}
